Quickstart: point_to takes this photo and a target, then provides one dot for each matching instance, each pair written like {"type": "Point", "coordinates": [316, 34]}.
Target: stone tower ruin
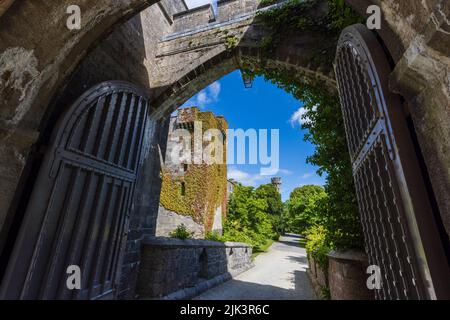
{"type": "Point", "coordinates": [193, 192]}
{"type": "Point", "coordinates": [276, 181]}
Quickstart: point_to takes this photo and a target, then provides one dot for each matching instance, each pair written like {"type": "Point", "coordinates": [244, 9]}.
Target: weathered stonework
{"type": "Point", "coordinates": [168, 221]}
{"type": "Point", "coordinates": [181, 269]}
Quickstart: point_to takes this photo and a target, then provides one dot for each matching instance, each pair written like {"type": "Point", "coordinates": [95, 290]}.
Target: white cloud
{"type": "Point", "coordinates": [285, 172]}
{"type": "Point", "coordinates": [299, 117]}
{"type": "Point", "coordinates": [244, 177]}
{"type": "Point", "coordinates": [307, 175]}
{"type": "Point", "coordinates": [214, 90]}
{"type": "Point", "coordinates": [206, 97]}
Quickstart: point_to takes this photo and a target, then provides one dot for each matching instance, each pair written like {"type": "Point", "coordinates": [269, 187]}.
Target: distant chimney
{"type": "Point", "coordinates": [276, 181]}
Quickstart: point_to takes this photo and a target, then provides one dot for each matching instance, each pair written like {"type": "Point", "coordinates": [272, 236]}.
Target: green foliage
{"type": "Point", "coordinates": [268, 2]}
{"type": "Point", "coordinates": [214, 236]}
{"type": "Point", "coordinates": [325, 293]}
{"type": "Point", "coordinates": [316, 245]}
{"type": "Point", "coordinates": [231, 42]}
{"type": "Point", "coordinates": [252, 215]}
{"type": "Point", "coordinates": [270, 193]}
{"type": "Point", "coordinates": [302, 208]}
{"type": "Point", "coordinates": [181, 232]}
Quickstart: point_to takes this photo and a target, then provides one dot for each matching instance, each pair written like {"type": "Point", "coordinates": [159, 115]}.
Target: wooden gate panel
{"type": "Point", "coordinates": [78, 213]}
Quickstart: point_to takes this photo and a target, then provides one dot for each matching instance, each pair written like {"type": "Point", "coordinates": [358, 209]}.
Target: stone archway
{"type": "Point", "coordinates": [42, 61]}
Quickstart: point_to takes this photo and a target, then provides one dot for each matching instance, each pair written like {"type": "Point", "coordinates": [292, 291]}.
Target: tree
{"type": "Point", "coordinates": [249, 219]}
{"type": "Point", "coordinates": [270, 194]}
{"type": "Point", "coordinates": [303, 209]}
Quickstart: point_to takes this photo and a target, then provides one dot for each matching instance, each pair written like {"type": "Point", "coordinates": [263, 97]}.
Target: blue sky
{"type": "Point", "coordinates": [263, 107]}
{"type": "Point", "coordinates": [196, 3]}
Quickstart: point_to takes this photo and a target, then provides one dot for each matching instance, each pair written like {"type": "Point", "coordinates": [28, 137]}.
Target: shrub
{"type": "Point", "coordinates": [214, 236]}
{"type": "Point", "coordinates": [181, 232]}
{"type": "Point", "coordinates": [316, 245]}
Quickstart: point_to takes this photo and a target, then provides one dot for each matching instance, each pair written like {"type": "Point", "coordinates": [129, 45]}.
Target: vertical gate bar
{"type": "Point", "coordinates": [105, 228]}
{"type": "Point", "coordinates": [52, 276]}
{"type": "Point", "coordinates": [100, 126]}
{"type": "Point", "coordinates": [89, 140]}
{"type": "Point", "coordinates": [121, 147]}
{"type": "Point", "coordinates": [115, 128]}
{"type": "Point", "coordinates": [104, 130]}
{"type": "Point", "coordinates": [80, 227]}
{"type": "Point", "coordinates": [96, 244]}
{"type": "Point", "coordinates": [131, 140]}
{"type": "Point", "coordinates": [113, 238]}
{"type": "Point", "coordinates": [87, 246]}
{"type": "Point", "coordinates": [120, 235]}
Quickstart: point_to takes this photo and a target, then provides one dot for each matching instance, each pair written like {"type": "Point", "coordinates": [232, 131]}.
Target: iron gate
{"type": "Point", "coordinates": [400, 232]}
{"type": "Point", "coordinates": [79, 209]}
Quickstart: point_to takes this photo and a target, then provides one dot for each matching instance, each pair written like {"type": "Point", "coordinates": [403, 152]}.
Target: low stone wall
{"type": "Point", "coordinates": [181, 269]}
{"type": "Point", "coordinates": [347, 276]}
{"type": "Point", "coordinates": [318, 276]}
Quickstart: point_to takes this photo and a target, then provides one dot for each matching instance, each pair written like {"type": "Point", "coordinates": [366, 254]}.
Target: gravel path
{"type": "Point", "coordinates": [279, 274]}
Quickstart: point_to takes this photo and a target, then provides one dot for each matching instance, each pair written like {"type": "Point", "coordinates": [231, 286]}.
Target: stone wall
{"type": "Point", "coordinates": [168, 221]}
{"type": "Point", "coordinates": [181, 269]}
{"type": "Point", "coordinates": [318, 277]}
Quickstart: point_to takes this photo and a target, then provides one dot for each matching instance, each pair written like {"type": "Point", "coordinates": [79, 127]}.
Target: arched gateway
{"type": "Point", "coordinates": [82, 208]}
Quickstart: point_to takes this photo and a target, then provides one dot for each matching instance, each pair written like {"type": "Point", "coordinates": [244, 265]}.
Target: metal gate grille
{"type": "Point", "coordinates": [78, 212]}
{"type": "Point", "coordinates": [373, 122]}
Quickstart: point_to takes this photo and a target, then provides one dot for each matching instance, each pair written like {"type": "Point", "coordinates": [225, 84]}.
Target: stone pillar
{"type": "Point", "coordinates": [347, 276]}
{"type": "Point", "coordinates": [422, 77]}
{"type": "Point", "coordinates": [145, 205]}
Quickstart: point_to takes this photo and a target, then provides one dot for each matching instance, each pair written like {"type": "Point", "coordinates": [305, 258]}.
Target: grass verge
{"type": "Point", "coordinates": [261, 249]}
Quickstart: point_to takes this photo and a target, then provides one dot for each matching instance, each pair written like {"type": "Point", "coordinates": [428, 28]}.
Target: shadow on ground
{"type": "Point", "coordinates": [255, 291]}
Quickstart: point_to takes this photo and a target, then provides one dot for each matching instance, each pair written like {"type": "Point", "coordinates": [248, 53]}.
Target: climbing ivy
{"type": "Point", "coordinates": [329, 16]}
{"type": "Point", "coordinates": [205, 186]}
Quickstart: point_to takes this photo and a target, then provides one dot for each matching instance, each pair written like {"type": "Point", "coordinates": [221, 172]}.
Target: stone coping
{"type": "Point", "coordinates": [353, 255]}
{"type": "Point", "coordinates": [173, 242]}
